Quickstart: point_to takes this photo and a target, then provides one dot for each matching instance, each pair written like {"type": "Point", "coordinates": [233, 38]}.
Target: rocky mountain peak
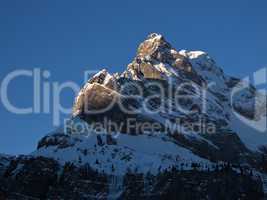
{"type": "Point", "coordinates": [150, 139]}
{"type": "Point", "coordinates": [157, 59]}
{"type": "Point", "coordinates": [154, 44]}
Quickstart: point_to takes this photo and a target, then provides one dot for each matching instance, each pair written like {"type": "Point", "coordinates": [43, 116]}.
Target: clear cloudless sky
{"type": "Point", "coordinates": [67, 37]}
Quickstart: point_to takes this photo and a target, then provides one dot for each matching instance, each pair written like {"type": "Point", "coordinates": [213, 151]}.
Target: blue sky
{"type": "Point", "coordinates": [68, 37]}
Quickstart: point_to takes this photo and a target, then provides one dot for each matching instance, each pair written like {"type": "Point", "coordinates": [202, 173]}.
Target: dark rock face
{"type": "Point", "coordinates": [42, 178]}
{"type": "Point", "coordinates": [217, 185]}
{"type": "Point", "coordinates": [30, 176]}
{"type": "Point", "coordinates": [234, 152]}
{"type": "Point", "coordinates": [4, 162]}
{"type": "Point", "coordinates": [221, 184]}
{"type": "Point", "coordinates": [59, 139]}
{"type": "Point", "coordinates": [79, 183]}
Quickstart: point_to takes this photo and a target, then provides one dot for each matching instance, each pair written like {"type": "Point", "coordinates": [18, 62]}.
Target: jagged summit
{"type": "Point", "coordinates": [154, 44]}
{"type": "Point", "coordinates": [157, 59]}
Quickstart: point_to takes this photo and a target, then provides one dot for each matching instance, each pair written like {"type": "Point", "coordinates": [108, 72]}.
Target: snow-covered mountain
{"type": "Point", "coordinates": [212, 132]}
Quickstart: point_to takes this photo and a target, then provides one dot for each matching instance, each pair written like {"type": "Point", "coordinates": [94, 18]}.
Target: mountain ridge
{"type": "Point", "coordinates": [146, 94]}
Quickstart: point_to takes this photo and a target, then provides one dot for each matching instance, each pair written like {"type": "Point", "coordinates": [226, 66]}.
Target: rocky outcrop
{"type": "Point", "coordinates": [60, 140]}
{"type": "Point", "coordinates": [105, 79]}
{"type": "Point", "coordinates": [96, 93]}
{"type": "Point", "coordinates": [99, 93]}
{"type": "Point", "coordinates": [156, 59]}
{"type": "Point", "coordinates": [156, 48]}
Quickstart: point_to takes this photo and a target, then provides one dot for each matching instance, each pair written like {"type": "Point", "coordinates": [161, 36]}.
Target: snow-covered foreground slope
{"type": "Point", "coordinates": [141, 154]}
